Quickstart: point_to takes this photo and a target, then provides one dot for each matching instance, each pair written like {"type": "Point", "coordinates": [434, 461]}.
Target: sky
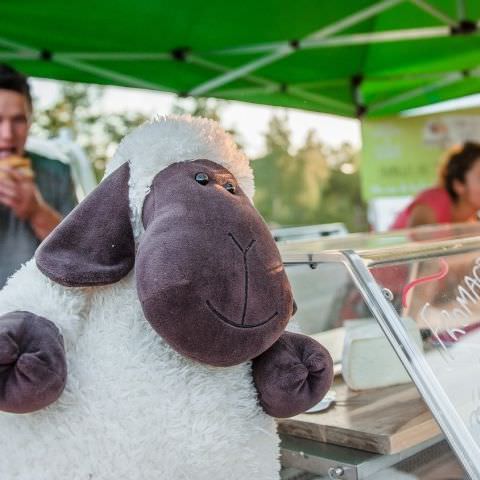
{"type": "Point", "coordinates": [249, 120]}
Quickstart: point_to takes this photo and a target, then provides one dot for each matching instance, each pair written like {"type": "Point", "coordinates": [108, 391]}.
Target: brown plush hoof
{"type": "Point", "coordinates": [294, 374]}
{"type": "Point", "coordinates": [33, 370]}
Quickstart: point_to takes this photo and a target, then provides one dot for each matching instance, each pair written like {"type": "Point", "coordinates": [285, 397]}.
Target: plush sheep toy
{"type": "Point", "coordinates": [146, 339]}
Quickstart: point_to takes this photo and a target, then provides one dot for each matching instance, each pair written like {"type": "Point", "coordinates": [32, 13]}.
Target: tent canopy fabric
{"type": "Point", "coordinates": [349, 57]}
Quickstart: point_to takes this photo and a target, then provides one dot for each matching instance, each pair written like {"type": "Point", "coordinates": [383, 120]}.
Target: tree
{"type": "Point", "coordinates": [313, 174]}
{"type": "Point", "coordinates": [205, 107]}
{"type": "Point", "coordinates": [289, 185]}
{"type": "Point", "coordinates": [273, 173]}
{"type": "Point", "coordinates": [199, 107]}
{"type": "Point", "coordinates": [278, 136]}
{"type": "Point", "coordinates": [316, 184]}
{"type": "Point", "coordinates": [342, 200]}
{"type": "Point", "coordinates": [96, 132]}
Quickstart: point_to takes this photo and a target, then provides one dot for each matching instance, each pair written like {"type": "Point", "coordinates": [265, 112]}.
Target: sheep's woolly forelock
{"type": "Point", "coordinates": [167, 140]}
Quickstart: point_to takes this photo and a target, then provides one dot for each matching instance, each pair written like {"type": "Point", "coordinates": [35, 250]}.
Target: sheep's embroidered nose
{"type": "Point", "coordinates": [209, 275]}
{"type": "Point", "coordinates": [242, 320]}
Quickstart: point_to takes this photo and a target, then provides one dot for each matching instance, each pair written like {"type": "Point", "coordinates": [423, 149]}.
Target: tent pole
{"type": "Point", "coordinates": [435, 12]}
{"type": "Point", "coordinates": [118, 56]}
{"type": "Point", "coordinates": [234, 92]}
{"type": "Point", "coordinates": [294, 92]}
{"type": "Point", "coordinates": [288, 49]}
{"type": "Point", "coordinates": [354, 19]}
{"type": "Point", "coordinates": [461, 10]}
{"type": "Point", "coordinates": [270, 86]}
{"type": "Point", "coordinates": [24, 51]}
{"type": "Point", "coordinates": [127, 80]}
{"type": "Point", "coordinates": [314, 97]}
{"type": "Point", "coordinates": [377, 37]}
{"type": "Point", "coordinates": [5, 42]}
{"type": "Point", "coordinates": [82, 66]}
{"type": "Point", "coordinates": [340, 40]}
{"type": "Point", "coordinates": [334, 82]}
{"type": "Point", "coordinates": [201, 62]}
{"type": "Point", "coordinates": [232, 75]}
{"type": "Point", "coordinates": [447, 80]}
{"type": "Point", "coordinates": [8, 56]}
{"type": "Point", "coordinates": [249, 49]}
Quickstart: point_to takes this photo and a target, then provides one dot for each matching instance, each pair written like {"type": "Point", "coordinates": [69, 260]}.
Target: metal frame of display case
{"type": "Point", "coordinates": [379, 302]}
{"type": "Point", "coordinates": [433, 394]}
{"type": "Point", "coordinates": [343, 463]}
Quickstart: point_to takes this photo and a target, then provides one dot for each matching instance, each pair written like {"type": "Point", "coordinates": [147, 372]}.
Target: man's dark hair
{"type": "Point", "coordinates": [458, 163]}
{"type": "Point", "coordinates": [10, 79]}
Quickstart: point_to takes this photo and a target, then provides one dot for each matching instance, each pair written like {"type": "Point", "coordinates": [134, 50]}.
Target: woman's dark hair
{"type": "Point", "coordinates": [458, 162]}
{"type": "Point", "coordinates": [10, 79]}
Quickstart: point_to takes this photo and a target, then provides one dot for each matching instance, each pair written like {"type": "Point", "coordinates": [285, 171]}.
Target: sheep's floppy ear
{"type": "Point", "coordinates": [94, 245]}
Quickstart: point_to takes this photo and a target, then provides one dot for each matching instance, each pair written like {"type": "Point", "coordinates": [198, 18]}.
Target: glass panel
{"type": "Point", "coordinates": [442, 296]}
{"type": "Point", "coordinates": [420, 289]}
{"type": "Point", "coordinates": [320, 293]}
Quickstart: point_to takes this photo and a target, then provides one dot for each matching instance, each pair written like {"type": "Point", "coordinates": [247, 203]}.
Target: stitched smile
{"type": "Point", "coordinates": [226, 320]}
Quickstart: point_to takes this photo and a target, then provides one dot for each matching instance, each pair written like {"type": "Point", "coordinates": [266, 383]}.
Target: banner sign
{"type": "Point", "coordinates": [401, 155]}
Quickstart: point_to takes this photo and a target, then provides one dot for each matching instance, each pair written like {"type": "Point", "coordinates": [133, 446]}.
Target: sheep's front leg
{"type": "Point", "coordinates": [294, 374]}
{"type": "Point", "coordinates": [33, 370]}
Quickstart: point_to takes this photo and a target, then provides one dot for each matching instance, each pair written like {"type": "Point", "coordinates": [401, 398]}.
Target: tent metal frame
{"type": "Point", "coordinates": [272, 52]}
{"type": "Point", "coordinates": [291, 47]}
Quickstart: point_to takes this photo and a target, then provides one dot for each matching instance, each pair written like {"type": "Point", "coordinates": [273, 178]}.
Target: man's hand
{"type": "Point", "coordinates": [19, 193]}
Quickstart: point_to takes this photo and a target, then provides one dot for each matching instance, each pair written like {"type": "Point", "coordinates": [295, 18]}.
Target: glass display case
{"type": "Point", "coordinates": [400, 314]}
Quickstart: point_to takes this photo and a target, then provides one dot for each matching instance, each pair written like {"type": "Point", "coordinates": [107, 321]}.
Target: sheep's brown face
{"type": "Point", "coordinates": [209, 275]}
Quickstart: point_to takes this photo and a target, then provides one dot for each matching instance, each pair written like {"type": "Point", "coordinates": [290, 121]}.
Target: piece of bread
{"type": "Point", "coordinates": [20, 164]}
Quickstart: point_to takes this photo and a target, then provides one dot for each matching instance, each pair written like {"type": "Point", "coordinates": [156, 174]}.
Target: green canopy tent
{"type": "Point", "coordinates": [349, 57]}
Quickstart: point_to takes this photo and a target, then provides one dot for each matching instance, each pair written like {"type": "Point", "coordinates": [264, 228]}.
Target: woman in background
{"type": "Point", "coordinates": [456, 200]}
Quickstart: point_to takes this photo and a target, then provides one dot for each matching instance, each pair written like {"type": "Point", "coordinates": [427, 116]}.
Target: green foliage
{"type": "Point", "coordinates": [199, 107]}
{"type": "Point", "coordinates": [317, 184]}
{"type": "Point", "coordinates": [342, 202]}
{"type": "Point", "coordinates": [207, 108]}
{"type": "Point", "coordinates": [77, 109]}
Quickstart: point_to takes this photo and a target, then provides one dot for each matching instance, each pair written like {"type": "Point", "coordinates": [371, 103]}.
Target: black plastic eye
{"type": "Point", "coordinates": [201, 178]}
{"type": "Point", "coordinates": [230, 187]}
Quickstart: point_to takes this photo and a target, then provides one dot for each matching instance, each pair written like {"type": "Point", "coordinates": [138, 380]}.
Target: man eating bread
{"type": "Point", "coordinates": [35, 191]}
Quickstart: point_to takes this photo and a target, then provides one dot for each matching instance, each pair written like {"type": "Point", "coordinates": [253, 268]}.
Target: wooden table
{"type": "Point", "coordinates": [385, 421]}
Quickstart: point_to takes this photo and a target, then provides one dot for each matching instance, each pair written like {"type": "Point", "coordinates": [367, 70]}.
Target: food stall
{"type": "Point", "coordinates": [399, 313]}
{"type": "Point", "coordinates": [364, 59]}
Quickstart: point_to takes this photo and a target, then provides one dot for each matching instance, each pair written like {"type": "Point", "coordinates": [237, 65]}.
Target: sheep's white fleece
{"type": "Point", "coordinates": [133, 408]}
{"type": "Point", "coordinates": [166, 140]}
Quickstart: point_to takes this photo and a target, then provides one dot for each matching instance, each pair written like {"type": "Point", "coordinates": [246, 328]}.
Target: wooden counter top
{"type": "Point", "coordinates": [386, 420]}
